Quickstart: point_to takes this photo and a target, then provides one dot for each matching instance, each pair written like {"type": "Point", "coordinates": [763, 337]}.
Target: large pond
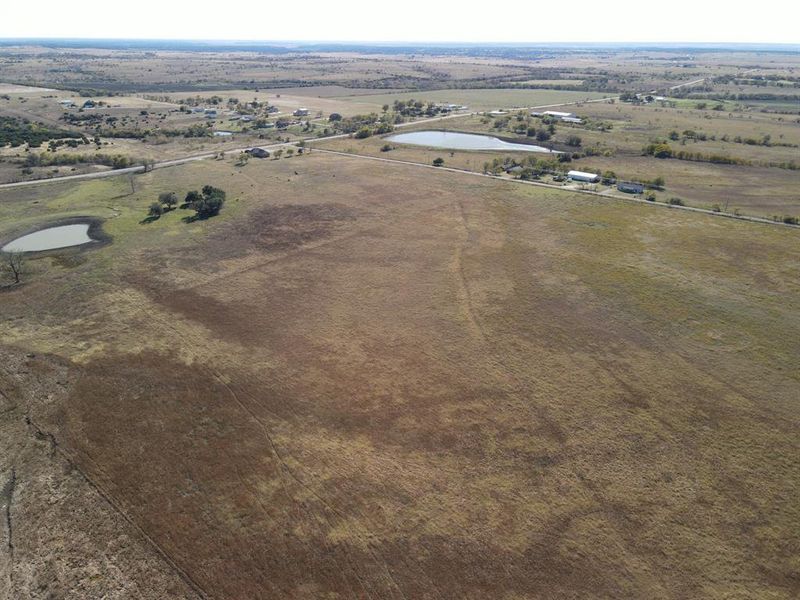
{"type": "Point", "coordinates": [460, 141]}
{"type": "Point", "coordinates": [51, 238]}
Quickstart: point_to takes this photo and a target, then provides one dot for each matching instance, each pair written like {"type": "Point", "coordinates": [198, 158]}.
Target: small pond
{"type": "Point", "coordinates": [460, 141]}
{"type": "Point", "coordinates": [51, 238]}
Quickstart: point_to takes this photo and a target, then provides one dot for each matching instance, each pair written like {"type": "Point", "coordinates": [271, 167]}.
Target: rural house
{"type": "Point", "coordinates": [630, 187]}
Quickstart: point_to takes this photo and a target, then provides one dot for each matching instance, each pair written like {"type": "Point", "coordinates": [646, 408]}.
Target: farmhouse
{"type": "Point", "coordinates": [582, 176]}
{"type": "Point", "coordinates": [630, 187]}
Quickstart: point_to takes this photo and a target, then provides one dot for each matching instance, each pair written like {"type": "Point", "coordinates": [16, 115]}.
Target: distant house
{"type": "Point", "coordinates": [301, 112]}
{"type": "Point", "coordinates": [258, 152]}
{"type": "Point", "coordinates": [582, 176]}
{"type": "Point", "coordinates": [211, 114]}
{"type": "Point", "coordinates": [630, 187]}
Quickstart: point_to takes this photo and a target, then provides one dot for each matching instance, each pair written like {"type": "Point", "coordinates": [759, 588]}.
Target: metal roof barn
{"type": "Point", "coordinates": [582, 176]}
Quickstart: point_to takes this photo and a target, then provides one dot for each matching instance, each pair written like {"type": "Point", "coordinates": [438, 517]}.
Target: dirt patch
{"type": "Point", "coordinates": [289, 226]}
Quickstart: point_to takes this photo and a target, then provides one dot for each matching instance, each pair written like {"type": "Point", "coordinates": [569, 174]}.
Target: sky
{"type": "Point", "coordinates": [517, 21]}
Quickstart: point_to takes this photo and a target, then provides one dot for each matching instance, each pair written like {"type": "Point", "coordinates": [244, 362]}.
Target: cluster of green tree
{"type": "Point", "coordinates": [197, 100]}
{"type": "Point", "coordinates": [42, 159]}
{"type": "Point", "coordinates": [416, 108]}
{"type": "Point", "coordinates": [167, 201]}
{"type": "Point", "coordinates": [17, 132]}
{"type": "Point", "coordinates": [690, 135]}
{"type": "Point", "coordinates": [742, 97]}
{"type": "Point", "coordinates": [664, 150]}
{"type": "Point", "coordinates": [527, 168]}
{"type": "Point", "coordinates": [770, 79]}
{"type": "Point", "coordinates": [84, 119]}
{"type": "Point", "coordinates": [764, 140]}
{"type": "Point", "coordinates": [205, 203]}
{"type": "Point", "coordinates": [361, 126]}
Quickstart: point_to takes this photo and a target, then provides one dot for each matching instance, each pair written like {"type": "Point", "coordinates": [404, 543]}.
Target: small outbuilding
{"type": "Point", "coordinates": [582, 176]}
{"type": "Point", "coordinates": [301, 112]}
{"type": "Point", "coordinates": [630, 187]}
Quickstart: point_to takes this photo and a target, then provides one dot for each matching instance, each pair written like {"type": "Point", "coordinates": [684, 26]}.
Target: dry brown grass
{"type": "Point", "coordinates": [369, 380]}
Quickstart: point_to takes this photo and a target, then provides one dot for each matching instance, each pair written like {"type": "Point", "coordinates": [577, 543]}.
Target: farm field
{"type": "Point", "coordinates": [417, 383]}
{"type": "Point", "coordinates": [351, 368]}
{"type": "Point", "coordinates": [614, 136]}
{"type": "Point", "coordinates": [483, 99]}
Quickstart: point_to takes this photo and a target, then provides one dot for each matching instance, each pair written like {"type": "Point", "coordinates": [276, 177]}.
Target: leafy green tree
{"type": "Point", "coordinates": [191, 198]}
{"type": "Point", "coordinates": [210, 204]}
{"type": "Point", "coordinates": [156, 209]}
{"type": "Point", "coordinates": [168, 199]}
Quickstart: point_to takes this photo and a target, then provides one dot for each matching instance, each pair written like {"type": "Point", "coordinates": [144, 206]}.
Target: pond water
{"type": "Point", "coordinates": [460, 141]}
{"type": "Point", "coordinates": [222, 133]}
{"type": "Point", "coordinates": [51, 238]}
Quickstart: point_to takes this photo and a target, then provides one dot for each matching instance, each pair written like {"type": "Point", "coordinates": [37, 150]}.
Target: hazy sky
{"type": "Point", "coordinates": [409, 20]}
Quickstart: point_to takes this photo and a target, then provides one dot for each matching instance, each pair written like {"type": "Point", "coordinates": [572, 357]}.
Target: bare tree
{"type": "Point", "coordinates": [15, 262]}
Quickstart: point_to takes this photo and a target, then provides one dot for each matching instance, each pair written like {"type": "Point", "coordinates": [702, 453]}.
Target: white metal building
{"type": "Point", "coordinates": [559, 115]}
{"type": "Point", "coordinates": [582, 176]}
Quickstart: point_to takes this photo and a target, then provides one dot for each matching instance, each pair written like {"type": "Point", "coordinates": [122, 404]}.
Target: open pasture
{"type": "Point", "coordinates": [367, 379]}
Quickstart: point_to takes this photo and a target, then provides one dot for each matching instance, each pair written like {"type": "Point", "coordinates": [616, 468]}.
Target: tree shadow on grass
{"type": "Point", "coordinates": [197, 217]}
{"type": "Point", "coordinates": [150, 219]}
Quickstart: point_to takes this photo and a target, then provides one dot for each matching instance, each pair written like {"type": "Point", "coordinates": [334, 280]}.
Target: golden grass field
{"type": "Point", "coordinates": [368, 380]}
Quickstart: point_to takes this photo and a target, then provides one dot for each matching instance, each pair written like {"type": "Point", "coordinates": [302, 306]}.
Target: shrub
{"type": "Point", "coordinates": [438, 162]}
{"type": "Point", "coordinates": [155, 210]}
{"type": "Point", "coordinates": [362, 133]}
{"type": "Point", "coordinates": [386, 148]}
{"type": "Point", "coordinates": [574, 141]}
{"type": "Point", "coordinates": [676, 202]}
